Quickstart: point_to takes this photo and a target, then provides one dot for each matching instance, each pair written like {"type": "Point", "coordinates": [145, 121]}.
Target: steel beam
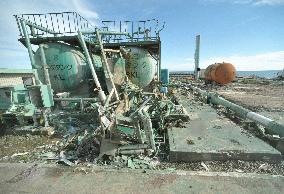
{"type": "Point", "coordinates": [105, 63]}
{"type": "Point", "coordinates": [45, 67]}
{"type": "Point", "coordinates": [102, 95]}
{"type": "Point", "coordinates": [28, 43]}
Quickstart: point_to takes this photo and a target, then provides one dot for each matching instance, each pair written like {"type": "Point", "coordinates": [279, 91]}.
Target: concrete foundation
{"type": "Point", "coordinates": [209, 136]}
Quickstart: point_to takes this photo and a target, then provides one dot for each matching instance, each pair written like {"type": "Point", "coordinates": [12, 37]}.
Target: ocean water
{"type": "Point", "coordinates": [265, 74]}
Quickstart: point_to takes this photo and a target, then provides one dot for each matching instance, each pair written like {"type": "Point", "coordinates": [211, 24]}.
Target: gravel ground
{"type": "Point", "coordinates": [254, 96]}
{"type": "Point", "coordinates": [33, 146]}
{"type": "Point", "coordinates": [259, 167]}
{"type": "Point", "coordinates": [25, 148]}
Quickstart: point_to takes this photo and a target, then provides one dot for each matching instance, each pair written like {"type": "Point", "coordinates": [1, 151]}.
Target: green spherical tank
{"type": "Point", "coordinates": [140, 66]}
{"type": "Point", "coordinates": [67, 67]}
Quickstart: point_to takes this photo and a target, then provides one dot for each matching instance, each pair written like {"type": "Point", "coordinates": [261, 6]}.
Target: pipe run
{"type": "Point", "coordinates": [272, 126]}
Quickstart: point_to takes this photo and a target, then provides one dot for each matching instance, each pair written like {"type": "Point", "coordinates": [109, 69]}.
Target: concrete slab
{"type": "Point", "coordinates": [29, 178]}
{"type": "Point", "coordinates": [209, 136]}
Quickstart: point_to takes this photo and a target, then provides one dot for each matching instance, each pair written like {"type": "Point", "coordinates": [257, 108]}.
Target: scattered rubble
{"type": "Point", "coordinates": [74, 142]}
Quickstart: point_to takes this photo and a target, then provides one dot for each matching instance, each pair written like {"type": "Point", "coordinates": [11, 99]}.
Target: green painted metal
{"type": "Point", "coordinates": [21, 104]}
{"type": "Point", "coordinates": [67, 66]}
{"type": "Point", "coordinates": [27, 103]}
{"type": "Point", "coordinates": [20, 95]}
{"type": "Point", "coordinates": [5, 97]}
{"type": "Point", "coordinates": [47, 96]}
{"type": "Point", "coordinates": [140, 66]}
{"type": "Point", "coordinates": [125, 129]}
{"type": "Point", "coordinates": [125, 125]}
{"type": "Point", "coordinates": [44, 64]}
{"type": "Point", "coordinates": [108, 33]}
{"type": "Point", "coordinates": [165, 79]}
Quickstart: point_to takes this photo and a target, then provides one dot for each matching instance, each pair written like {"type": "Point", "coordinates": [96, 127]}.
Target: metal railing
{"type": "Point", "coordinates": [69, 23]}
{"type": "Point", "coordinates": [137, 30]}
{"type": "Point", "coordinates": [53, 23]}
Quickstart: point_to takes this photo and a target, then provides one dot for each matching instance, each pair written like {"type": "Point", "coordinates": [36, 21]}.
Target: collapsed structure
{"type": "Point", "coordinates": [106, 78]}
{"type": "Point", "coordinates": [103, 89]}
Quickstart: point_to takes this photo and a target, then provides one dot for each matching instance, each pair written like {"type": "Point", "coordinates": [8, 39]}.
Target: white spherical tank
{"type": "Point", "coordinates": [140, 66]}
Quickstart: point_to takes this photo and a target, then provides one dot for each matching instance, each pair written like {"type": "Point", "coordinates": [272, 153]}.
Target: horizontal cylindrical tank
{"type": "Point", "coordinates": [221, 73]}
{"type": "Point", "coordinates": [67, 66]}
{"type": "Point", "coordinates": [140, 66]}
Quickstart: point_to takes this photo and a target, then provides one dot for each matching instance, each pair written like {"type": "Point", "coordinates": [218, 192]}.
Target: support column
{"type": "Point", "coordinates": [196, 57]}
{"type": "Point", "coordinates": [44, 64]}
{"type": "Point", "coordinates": [28, 43]}
{"type": "Point", "coordinates": [159, 66]}
{"type": "Point", "coordinates": [102, 95]}
{"type": "Point", "coordinates": [106, 64]}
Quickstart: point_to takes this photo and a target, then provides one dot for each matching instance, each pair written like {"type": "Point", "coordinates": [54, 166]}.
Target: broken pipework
{"type": "Point", "coordinates": [271, 126]}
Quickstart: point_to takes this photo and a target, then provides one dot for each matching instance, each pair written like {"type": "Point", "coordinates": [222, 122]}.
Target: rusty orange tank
{"type": "Point", "coordinates": [221, 73]}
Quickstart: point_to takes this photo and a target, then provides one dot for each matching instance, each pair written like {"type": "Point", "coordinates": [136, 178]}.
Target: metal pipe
{"type": "Point", "coordinates": [37, 80]}
{"type": "Point", "coordinates": [141, 107]}
{"type": "Point", "coordinates": [102, 95]}
{"type": "Point", "coordinates": [131, 152]}
{"type": "Point", "coordinates": [112, 50]}
{"type": "Point", "coordinates": [81, 105]}
{"type": "Point", "coordinates": [108, 98]}
{"type": "Point", "coordinates": [272, 126]}
{"type": "Point", "coordinates": [196, 57]}
{"type": "Point", "coordinates": [45, 69]}
{"type": "Point", "coordinates": [134, 147]}
{"type": "Point", "coordinates": [28, 43]}
{"type": "Point", "coordinates": [74, 99]}
{"type": "Point", "coordinates": [109, 33]}
{"type": "Point", "coordinates": [106, 64]}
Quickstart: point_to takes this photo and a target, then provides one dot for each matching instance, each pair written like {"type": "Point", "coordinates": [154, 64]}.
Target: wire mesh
{"type": "Point", "coordinates": [59, 23]}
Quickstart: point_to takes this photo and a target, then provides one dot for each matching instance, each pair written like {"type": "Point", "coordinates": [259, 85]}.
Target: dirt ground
{"type": "Point", "coordinates": [263, 97]}
{"type": "Point", "coordinates": [255, 96]}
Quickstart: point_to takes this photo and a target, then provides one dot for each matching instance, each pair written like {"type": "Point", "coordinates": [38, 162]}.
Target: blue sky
{"type": "Point", "coordinates": [247, 33]}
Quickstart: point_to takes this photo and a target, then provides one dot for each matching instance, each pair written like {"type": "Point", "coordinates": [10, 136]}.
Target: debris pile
{"type": "Point", "coordinates": [128, 133]}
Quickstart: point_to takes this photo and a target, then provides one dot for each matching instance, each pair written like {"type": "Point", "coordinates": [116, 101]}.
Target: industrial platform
{"type": "Point", "coordinates": [209, 136]}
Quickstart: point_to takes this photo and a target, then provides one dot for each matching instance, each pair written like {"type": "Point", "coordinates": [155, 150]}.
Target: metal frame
{"type": "Point", "coordinates": [53, 23]}
{"type": "Point", "coordinates": [53, 27]}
